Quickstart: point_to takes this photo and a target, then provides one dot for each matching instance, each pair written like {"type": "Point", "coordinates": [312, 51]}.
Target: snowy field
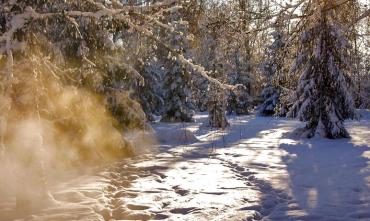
{"type": "Point", "coordinates": [255, 170]}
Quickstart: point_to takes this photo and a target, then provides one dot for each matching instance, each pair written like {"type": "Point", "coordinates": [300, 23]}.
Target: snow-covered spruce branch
{"type": "Point", "coordinates": [152, 20]}
{"type": "Point", "coordinates": [201, 70]}
{"type": "Point", "coordinates": [197, 68]}
{"type": "Point", "coordinates": [288, 7]}
{"type": "Point", "coordinates": [20, 20]}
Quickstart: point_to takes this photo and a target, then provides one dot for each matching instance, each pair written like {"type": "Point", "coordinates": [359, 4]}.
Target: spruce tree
{"type": "Point", "coordinates": [324, 98]}
{"type": "Point", "coordinates": [178, 105]}
{"type": "Point", "coordinates": [271, 69]}
{"type": "Point", "coordinates": [240, 102]}
{"type": "Point", "coordinates": [243, 58]}
{"type": "Point", "coordinates": [177, 88]}
{"type": "Point", "coordinates": [151, 94]}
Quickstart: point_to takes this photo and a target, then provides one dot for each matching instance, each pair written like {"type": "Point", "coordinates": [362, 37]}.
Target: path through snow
{"type": "Point", "coordinates": [252, 171]}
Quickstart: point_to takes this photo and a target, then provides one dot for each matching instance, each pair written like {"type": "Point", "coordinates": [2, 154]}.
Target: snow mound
{"type": "Point", "coordinates": [178, 136]}
{"type": "Point", "coordinates": [364, 114]}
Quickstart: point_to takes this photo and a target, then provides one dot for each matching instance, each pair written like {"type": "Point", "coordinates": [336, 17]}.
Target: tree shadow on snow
{"type": "Point", "coordinates": [329, 179]}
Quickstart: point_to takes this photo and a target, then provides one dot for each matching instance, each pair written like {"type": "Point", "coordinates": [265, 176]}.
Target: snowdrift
{"type": "Point", "coordinates": [176, 136]}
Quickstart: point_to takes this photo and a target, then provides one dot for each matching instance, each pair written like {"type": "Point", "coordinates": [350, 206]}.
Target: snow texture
{"type": "Point", "coordinates": [253, 171]}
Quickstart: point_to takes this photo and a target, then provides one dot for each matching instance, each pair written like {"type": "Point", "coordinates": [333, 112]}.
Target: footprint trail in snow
{"type": "Point", "coordinates": [265, 175]}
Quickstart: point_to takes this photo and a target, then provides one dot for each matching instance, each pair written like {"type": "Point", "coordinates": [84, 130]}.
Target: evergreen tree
{"type": "Point", "coordinates": [240, 103]}
{"type": "Point", "coordinates": [286, 100]}
{"type": "Point", "coordinates": [178, 105]}
{"type": "Point", "coordinates": [324, 99]}
{"type": "Point", "coordinates": [270, 95]}
{"type": "Point", "coordinates": [270, 69]}
{"type": "Point", "coordinates": [243, 59]}
{"type": "Point", "coordinates": [151, 95]}
{"type": "Point", "coordinates": [177, 80]}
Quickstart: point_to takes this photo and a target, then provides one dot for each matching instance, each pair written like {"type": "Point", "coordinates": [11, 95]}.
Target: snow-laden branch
{"type": "Point", "coordinates": [19, 21]}
{"type": "Point", "coordinates": [197, 68]}
{"type": "Point", "coordinates": [123, 13]}
{"type": "Point", "coordinates": [201, 70]}
{"type": "Point", "coordinates": [359, 18]}
{"type": "Point", "coordinates": [117, 5]}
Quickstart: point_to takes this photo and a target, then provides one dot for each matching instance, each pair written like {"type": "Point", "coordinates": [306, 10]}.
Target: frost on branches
{"type": "Point", "coordinates": [324, 99]}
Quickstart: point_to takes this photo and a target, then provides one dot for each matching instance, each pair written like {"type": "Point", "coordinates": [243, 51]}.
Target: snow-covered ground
{"type": "Point", "coordinates": [252, 171]}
